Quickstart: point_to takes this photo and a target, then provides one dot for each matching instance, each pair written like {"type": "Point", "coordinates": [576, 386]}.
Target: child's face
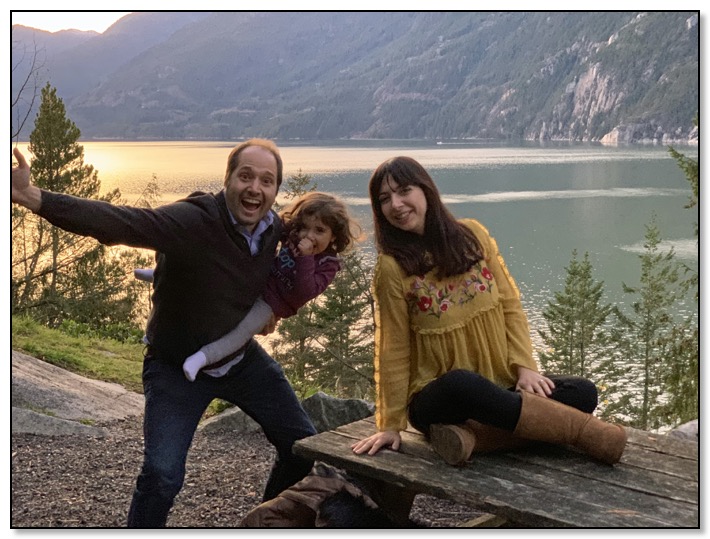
{"type": "Point", "coordinates": [314, 235]}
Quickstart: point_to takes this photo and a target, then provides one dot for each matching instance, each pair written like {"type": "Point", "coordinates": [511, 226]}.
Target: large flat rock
{"type": "Point", "coordinates": [27, 421]}
{"type": "Point", "coordinates": [55, 392]}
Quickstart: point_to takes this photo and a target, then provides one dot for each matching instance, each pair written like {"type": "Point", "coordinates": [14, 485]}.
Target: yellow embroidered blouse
{"type": "Point", "coordinates": [425, 327]}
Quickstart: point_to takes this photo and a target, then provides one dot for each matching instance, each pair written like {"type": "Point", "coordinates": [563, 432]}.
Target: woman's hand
{"type": "Point", "coordinates": [372, 444]}
{"type": "Point", "coordinates": [534, 382]}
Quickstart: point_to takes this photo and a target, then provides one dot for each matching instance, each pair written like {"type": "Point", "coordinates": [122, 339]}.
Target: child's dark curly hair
{"type": "Point", "coordinates": [331, 211]}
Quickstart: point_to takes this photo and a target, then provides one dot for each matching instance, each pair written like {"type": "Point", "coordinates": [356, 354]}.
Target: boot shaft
{"type": "Point", "coordinates": [546, 420]}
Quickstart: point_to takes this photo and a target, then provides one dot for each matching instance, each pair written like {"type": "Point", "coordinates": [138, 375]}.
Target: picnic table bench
{"type": "Point", "coordinates": [655, 484]}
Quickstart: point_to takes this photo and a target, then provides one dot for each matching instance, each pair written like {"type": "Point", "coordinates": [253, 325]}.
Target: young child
{"type": "Point", "coordinates": [316, 228]}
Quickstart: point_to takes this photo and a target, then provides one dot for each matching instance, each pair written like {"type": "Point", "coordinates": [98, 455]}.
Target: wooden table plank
{"type": "Point", "coordinates": [529, 487]}
{"type": "Point", "coordinates": [663, 444]}
{"type": "Point", "coordinates": [623, 475]}
{"type": "Point", "coordinates": [518, 503]}
{"type": "Point", "coordinates": [560, 485]}
{"type": "Point", "coordinates": [654, 474]}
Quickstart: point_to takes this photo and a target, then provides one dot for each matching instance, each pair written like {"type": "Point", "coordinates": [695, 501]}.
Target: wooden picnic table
{"type": "Point", "coordinates": [655, 484]}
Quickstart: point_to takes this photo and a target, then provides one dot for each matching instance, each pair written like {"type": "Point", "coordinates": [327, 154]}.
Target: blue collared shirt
{"type": "Point", "coordinates": [254, 237]}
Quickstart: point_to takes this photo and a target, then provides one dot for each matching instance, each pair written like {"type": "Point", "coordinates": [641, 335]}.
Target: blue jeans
{"type": "Point", "coordinates": [173, 408]}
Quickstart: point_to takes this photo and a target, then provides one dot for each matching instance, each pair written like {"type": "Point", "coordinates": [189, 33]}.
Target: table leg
{"type": "Point", "coordinates": [394, 500]}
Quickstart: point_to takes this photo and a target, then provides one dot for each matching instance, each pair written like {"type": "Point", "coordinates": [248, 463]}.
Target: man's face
{"type": "Point", "coordinates": [251, 188]}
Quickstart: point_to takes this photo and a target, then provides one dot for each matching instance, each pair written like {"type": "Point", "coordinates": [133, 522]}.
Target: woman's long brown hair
{"type": "Point", "coordinates": [447, 245]}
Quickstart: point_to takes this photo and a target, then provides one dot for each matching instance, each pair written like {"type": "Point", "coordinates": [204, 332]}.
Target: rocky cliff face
{"type": "Point", "coordinates": [593, 98]}
{"type": "Point", "coordinates": [649, 134]}
{"type": "Point", "coordinates": [596, 105]}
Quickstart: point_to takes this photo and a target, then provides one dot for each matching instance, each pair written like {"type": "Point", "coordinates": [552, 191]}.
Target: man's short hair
{"type": "Point", "coordinates": [233, 159]}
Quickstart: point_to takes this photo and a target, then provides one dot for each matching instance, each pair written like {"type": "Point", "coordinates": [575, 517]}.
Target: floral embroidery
{"type": "Point", "coordinates": [424, 303]}
{"type": "Point", "coordinates": [428, 297]}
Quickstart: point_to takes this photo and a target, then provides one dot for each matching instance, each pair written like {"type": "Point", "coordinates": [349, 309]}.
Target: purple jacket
{"type": "Point", "coordinates": [295, 280]}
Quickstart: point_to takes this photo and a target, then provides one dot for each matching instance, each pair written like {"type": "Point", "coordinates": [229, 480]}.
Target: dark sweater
{"type": "Point", "coordinates": [206, 279]}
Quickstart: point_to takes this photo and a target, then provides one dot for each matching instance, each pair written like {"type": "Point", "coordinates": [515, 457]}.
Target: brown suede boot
{"type": "Point", "coordinates": [546, 420]}
{"type": "Point", "coordinates": [456, 443]}
{"type": "Point", "coordinates": [453, 443]}
{"type": "Point", "coordinates": [490, 438]}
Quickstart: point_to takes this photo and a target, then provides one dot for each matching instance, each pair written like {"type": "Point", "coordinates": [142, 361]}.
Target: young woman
{"type": "Point", "coordinates": [452, 347]}
{"type": "Point", "coordinates": [316, 228]}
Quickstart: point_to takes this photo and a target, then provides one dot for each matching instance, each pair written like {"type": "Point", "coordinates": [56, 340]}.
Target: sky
{"type": "Point", "coordinates": [98, 21]}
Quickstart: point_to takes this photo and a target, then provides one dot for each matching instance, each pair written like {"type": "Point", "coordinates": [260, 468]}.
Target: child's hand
{"type": "Point", "coordinates": [270, 326]}
{"type": "Point", "coordinates": [305, 247]}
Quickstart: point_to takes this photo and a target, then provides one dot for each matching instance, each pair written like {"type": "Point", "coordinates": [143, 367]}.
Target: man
{"type": "Point", "coordinates": [214, 253]}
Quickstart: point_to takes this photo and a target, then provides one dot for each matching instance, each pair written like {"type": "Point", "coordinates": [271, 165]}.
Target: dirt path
{"type": "Point", "coordinates": [66, 474]}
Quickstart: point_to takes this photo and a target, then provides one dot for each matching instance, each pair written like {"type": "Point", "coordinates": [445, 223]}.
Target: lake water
{"type": "Point", "coordinates": [539, 201]}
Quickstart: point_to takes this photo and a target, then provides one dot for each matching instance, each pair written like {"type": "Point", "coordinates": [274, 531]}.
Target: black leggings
{"type": "Point", "coordinates": [460, 395]}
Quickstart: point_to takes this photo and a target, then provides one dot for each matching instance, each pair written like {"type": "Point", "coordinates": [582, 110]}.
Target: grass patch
{"type": "Point", "coordinates": [107, 360]}
{"type": "Point", "coordinates": [101, 359]}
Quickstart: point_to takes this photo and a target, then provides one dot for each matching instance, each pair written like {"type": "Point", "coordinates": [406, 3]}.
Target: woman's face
{"type": "Point", "coordinates": [404, 206]}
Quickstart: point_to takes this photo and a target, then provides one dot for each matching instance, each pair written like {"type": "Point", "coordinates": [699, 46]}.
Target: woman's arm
{"type": "Point", "coordinates": [517, 329]}
{"type": "Point", "coordinates": [392, 349]}
{"type": "Point", "coordinates": [534, 382]}
{"type": "Point", "coordinates": [392, 346]}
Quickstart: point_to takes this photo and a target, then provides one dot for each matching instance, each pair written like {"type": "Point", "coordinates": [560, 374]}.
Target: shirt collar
{"type": "Point", "coordinates": [254, 236]}
{"type": "Point", "coordinates": [260, 227]}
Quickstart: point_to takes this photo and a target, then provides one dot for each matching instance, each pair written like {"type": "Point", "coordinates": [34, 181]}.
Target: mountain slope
{"type": "Point", "coordinates": [329, 75]}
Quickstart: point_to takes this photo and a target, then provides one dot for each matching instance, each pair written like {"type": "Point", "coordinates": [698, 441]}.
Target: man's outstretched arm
{"type": "Point", "coordinates": [23, 192]}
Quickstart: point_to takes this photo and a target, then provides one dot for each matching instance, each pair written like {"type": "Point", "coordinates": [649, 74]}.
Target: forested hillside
{"type": "Point", "coordinates": [628, 76]}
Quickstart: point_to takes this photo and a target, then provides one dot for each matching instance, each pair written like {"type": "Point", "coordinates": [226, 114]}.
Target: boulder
{"type": "Point", "coordinates": [232, 419]}
{"type": "Point", "coordinates": [328, 413]}
{"type": "Point", "coordinates": [687, 431]}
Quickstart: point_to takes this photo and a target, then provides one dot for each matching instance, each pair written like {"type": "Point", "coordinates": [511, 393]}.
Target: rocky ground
{"type": "Point", "coordinates": [82, 481]}
{"type": "Point", "coordinates": [78, 480]}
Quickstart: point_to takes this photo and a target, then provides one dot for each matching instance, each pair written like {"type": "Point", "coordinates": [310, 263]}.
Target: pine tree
{"type": "Point", "coordinates": [294, 348]}
{"type": "Point", "coordinates": [648, 331]}
{"type": "Point", "coordinates": [58, 276]}
{"type": "Point", "coordinates": [328, 344]}
{"type": "Point", "coordinates": [682, 378]}
{"type": "Point", "coordinates": [575, 333]}
{"type": "Point", "coordinates": [661, 348]}
{"type": "Point", "coordinates": [345, 336]}
{"type": "Point", "coordinates": [298, 185]}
